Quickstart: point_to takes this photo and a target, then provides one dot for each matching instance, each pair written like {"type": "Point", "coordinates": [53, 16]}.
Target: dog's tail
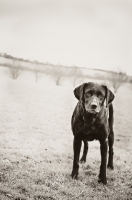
{"type": "Point", "coordinates": [111, 116]}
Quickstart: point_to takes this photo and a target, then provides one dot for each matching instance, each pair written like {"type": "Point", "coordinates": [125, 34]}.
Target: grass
{"type": "Point", "coordinates": [36, 145]}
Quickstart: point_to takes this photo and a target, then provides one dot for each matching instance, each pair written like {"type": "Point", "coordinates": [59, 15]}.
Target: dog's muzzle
{"type": "Point", "coordinates": [93, 108]}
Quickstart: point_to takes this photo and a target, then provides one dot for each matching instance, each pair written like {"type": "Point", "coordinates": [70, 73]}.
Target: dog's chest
{"type": "Point", "coordinates": [91, 132]}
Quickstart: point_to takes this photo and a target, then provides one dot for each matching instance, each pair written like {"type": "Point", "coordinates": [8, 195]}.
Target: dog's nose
{"type": "Point", "coordinates": [93, 106]}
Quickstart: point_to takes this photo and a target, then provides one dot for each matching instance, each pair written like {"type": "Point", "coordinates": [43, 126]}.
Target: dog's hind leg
{"type": "Point", "coordinates": [85, 151]}
{"type": "Point", "coordinates": [111, 138]}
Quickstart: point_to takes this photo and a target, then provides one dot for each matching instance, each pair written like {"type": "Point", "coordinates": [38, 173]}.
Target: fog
{"type": "Point", "coordinates": [86, 33]}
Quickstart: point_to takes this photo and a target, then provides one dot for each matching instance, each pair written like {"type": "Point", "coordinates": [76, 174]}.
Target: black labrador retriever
{"type": "Point", "coordinates": [92, 119]}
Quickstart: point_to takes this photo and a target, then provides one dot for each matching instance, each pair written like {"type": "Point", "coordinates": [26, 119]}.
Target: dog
{"type": "Point", "coordinates": [93, 119]}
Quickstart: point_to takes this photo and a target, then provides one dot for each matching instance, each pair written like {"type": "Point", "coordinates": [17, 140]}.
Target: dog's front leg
{"type": "Point", "coordinates": [76, 148]}
{"type": "Point", "coordinates": [103, 150]}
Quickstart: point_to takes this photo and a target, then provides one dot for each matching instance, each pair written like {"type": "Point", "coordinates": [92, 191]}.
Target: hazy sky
{"type": "Point", "coordinates": [86, 33]}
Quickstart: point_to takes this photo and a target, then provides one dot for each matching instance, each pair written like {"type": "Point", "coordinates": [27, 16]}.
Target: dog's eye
{"type": "Point", "coordinates": [99, 94]}
{"type": "Point", "coordinates": [89, 93]}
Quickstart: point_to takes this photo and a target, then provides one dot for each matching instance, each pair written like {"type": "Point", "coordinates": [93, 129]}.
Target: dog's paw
{"type": "Point", "coordinates": [110, 167]}
{"type": "Point", "coordinates": [74, 174]}
{"type": "Point", "coordinates": [102, 179]}
{"type": "Point", "coordinates": [82, 160]}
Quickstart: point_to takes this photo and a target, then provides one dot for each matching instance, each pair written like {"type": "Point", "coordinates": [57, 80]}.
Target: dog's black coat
{"type": "Point", "coordinates": [89, 126]}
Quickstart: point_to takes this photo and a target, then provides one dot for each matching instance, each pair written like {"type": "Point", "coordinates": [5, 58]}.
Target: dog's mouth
{"type": "Point", "coordinates": [92, 111]}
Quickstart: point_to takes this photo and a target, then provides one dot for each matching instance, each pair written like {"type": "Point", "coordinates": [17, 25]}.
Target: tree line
{"type": "Point", "coordinates": [17, 65]}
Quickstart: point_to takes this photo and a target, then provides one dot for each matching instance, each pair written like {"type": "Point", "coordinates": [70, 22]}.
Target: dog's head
{"type": "Point", "coordinates": [93, 96]}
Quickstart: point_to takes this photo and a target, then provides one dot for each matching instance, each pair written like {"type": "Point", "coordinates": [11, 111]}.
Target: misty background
{"type": "Point", "coordinates": [47, 49]}
{"type": "Point", "coordinates": [85, 33]}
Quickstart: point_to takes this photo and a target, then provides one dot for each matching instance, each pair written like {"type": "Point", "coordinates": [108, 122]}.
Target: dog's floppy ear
{"type": "Point", "coordinates": [109, 96]}
{"type": "Point", "coordinates": [78, 92]}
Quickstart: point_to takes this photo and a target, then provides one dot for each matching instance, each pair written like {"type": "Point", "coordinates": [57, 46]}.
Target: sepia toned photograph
{"type": "Point", "coordinates": [65, 100]}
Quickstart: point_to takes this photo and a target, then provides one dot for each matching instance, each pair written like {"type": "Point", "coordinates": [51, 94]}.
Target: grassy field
{"type": "Point", "coordinates": [36, 151]}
